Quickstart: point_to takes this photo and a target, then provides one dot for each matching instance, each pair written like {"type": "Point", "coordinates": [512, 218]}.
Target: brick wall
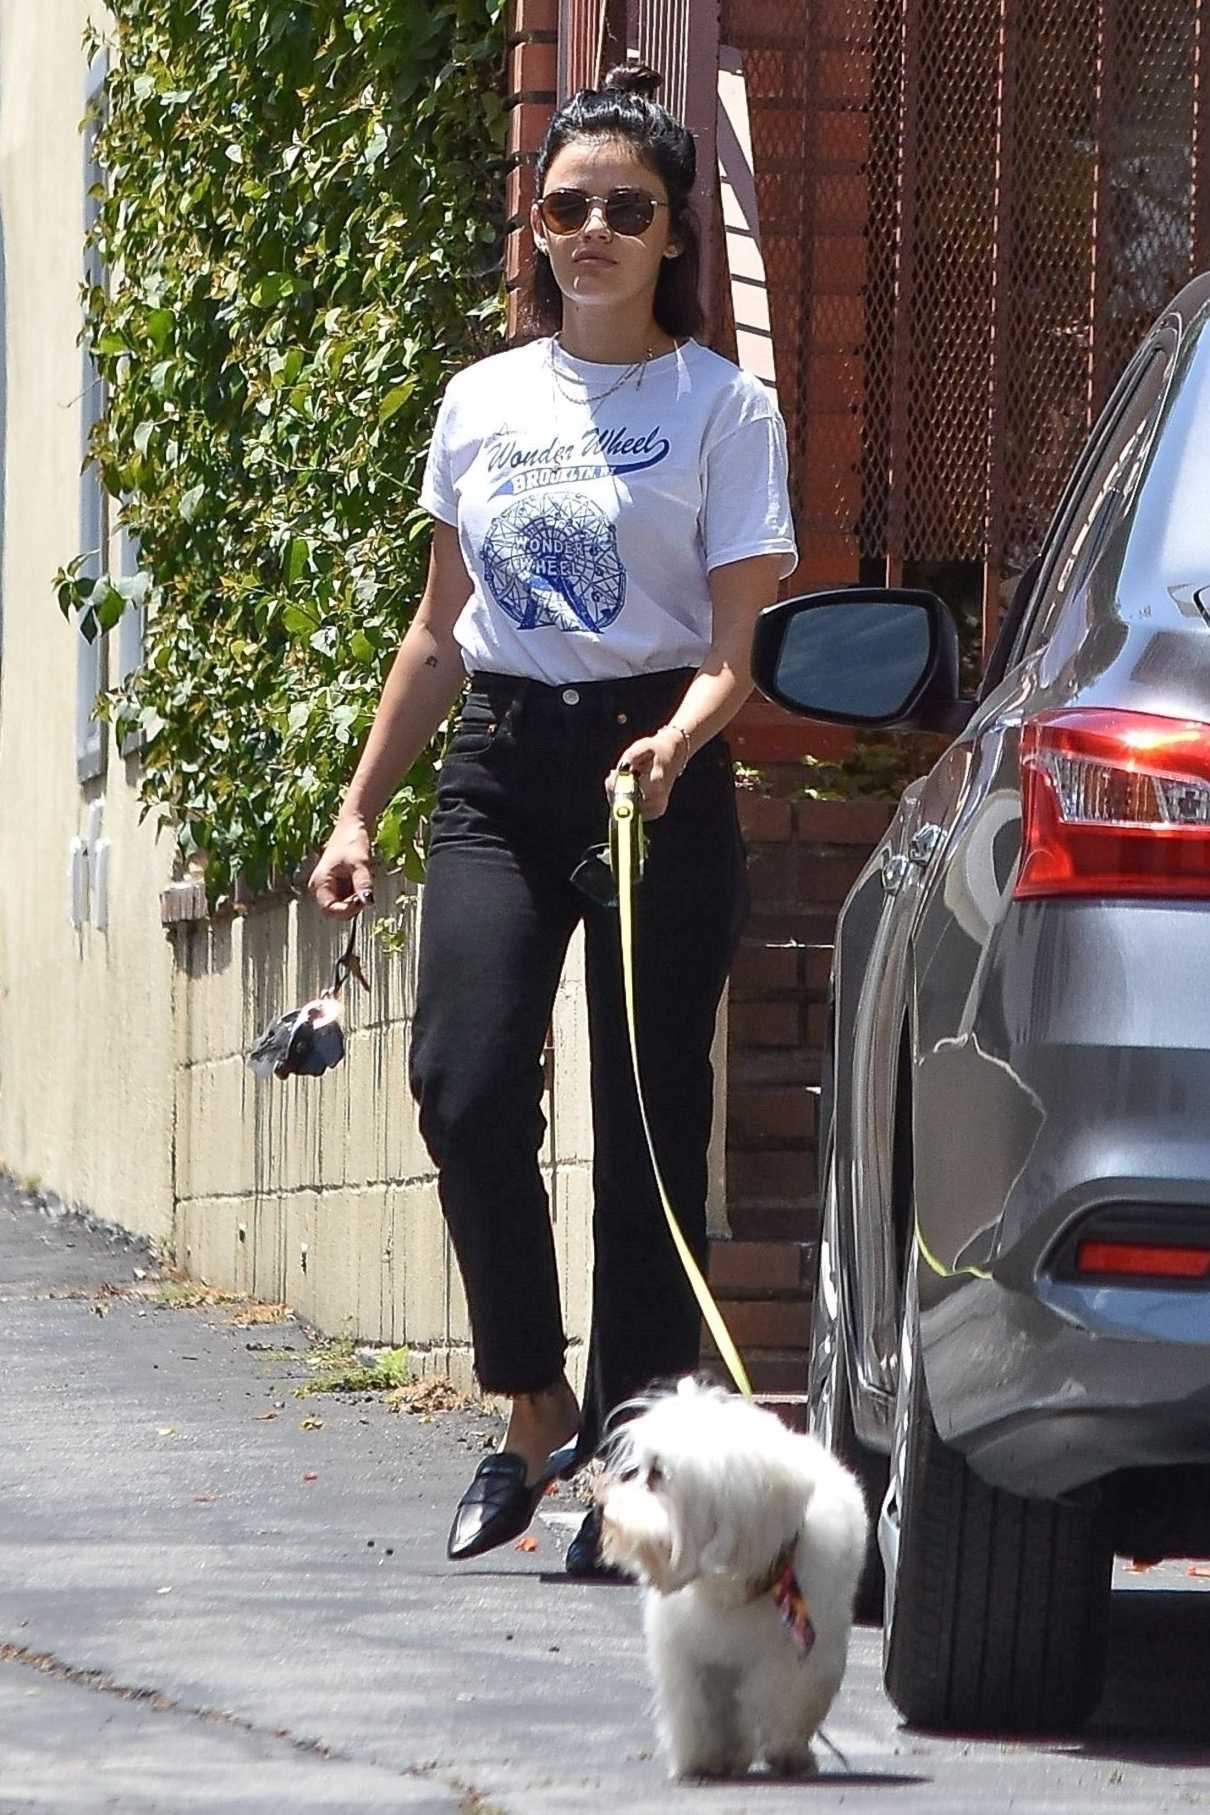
{"type": "Point", "coordinates": [803, 857]}
{"type": "Point", "coordinates": [533, 57]}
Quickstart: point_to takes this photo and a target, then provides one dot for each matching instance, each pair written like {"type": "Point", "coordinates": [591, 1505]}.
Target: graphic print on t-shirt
{"type": "Point", "coordinates": [552, 560]}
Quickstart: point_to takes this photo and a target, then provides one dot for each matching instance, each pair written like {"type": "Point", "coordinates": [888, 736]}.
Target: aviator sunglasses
{"type": "Point", "coordinates": [627, 211]}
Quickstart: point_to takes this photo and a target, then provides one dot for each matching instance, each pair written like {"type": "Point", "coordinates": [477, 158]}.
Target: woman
{"type": "Point", "coordinates": [610, 516]}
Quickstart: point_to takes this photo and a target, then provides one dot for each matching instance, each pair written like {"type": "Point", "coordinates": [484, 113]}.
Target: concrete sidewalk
{"type": "Point", "coordinates": [190, 1622]}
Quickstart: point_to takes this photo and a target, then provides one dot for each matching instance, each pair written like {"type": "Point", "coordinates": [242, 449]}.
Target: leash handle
{"type": "Point", "coordinates": [626, 822]}
{"type": "Point", "coordinates": [347, 965]}
{"type": "Point", "coordinates": [627, 845]}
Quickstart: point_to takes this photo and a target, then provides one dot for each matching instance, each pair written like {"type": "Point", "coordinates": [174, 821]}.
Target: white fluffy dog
{"type": "Point", "coordinates": [749, 1540]}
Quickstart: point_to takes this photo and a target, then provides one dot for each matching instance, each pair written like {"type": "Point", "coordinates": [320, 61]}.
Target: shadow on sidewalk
{"type": "Point", "coordinates": [1154, 1707]}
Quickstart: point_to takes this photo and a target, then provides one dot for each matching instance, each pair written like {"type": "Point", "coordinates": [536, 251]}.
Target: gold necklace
{"type": "Point", "coordinates": [638, 365]}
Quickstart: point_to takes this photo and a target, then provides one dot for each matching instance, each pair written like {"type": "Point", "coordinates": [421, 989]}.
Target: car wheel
{"type": "Point", "coordinates": [829, 1408]}
{"type": "Point", "coordinates": [997, 1607]}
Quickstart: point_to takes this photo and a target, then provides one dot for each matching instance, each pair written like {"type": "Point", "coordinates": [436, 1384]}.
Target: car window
{"type": "Point", "coordinates": [1113, 466]}
{"type": "Point", "coordinates": [1009, 634]}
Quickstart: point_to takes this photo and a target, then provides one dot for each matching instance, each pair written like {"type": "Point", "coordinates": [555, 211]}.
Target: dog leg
{"type": "Point", "coordinates": [799, 1761]}
{"type": "Point", "coordinates": [787, 1706]}
{"type": "Point", "coordinates": [698, 1718]}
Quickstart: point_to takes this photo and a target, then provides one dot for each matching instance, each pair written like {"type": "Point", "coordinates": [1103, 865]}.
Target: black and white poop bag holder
{"type": "Point", "coordinates": [309, 1040]}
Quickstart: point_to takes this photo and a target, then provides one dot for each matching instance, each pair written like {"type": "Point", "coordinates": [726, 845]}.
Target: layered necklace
{"type": "Point", "coordinates": [581, 394]}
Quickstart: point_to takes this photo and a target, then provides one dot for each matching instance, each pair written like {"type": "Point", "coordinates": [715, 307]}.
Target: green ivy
{"type": "Point", "coordinates": [302, 221]}
{"type": "Point", "coordinates": [877, 767]}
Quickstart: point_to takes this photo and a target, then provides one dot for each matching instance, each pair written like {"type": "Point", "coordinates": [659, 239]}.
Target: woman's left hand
{"type": "Point", "coordinates": [655, 762]}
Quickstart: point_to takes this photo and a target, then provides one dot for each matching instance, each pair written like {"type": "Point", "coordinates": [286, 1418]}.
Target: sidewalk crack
{"type": "Point", "coordinates": [471, 1800]}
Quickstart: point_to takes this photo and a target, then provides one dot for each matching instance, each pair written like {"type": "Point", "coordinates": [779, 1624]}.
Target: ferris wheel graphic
{"type": "Point", "coordinates": [554, 562]}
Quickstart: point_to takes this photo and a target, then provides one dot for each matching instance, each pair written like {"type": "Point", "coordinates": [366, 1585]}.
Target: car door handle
{"type": "Point", "coordinates": [895, 869]}
{"type": "Point", "coordinates": [924, 842]}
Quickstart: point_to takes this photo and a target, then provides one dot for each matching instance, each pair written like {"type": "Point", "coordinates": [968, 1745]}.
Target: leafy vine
{"type": "Point", "coordinates": [302, 222]}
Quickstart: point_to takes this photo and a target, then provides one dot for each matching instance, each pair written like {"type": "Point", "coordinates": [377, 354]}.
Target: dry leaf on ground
{"type": "Point", "coordinates": [254, 1313]}
{"type": "Point", "coordinates": [180, 1293]}
{"type": "Point", "coordinates": [428, 1396]}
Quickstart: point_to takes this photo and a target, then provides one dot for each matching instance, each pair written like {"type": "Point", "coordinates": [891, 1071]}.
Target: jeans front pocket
{"type": "Point", "coordinates": [474, 734]}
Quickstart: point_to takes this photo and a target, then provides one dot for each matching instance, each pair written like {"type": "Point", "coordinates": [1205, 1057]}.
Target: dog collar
{"type": "Point", "coordinates": [781, 1582]}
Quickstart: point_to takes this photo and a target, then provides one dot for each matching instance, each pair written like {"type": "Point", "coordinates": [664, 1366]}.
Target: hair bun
{"type": "Point", "coordinates": [634, 79]}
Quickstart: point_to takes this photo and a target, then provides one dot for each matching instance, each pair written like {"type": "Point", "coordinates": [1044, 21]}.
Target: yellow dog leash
{"type": "Point", "coordinates": [627, 853]}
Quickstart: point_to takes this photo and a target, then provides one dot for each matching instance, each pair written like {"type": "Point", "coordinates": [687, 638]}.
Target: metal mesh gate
{"type": "Point", "coordinates": [970, 211]}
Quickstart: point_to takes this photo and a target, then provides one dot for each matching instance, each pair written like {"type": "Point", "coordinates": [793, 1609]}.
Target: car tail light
{"type": "Point", "coordinates": [1114, 803]}
{"type": "Point", "coordinates": [1137, 1245]}
{"type": "Point", "coordinates": [1142, 1260]}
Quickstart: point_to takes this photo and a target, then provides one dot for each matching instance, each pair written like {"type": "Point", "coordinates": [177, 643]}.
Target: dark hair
{"type": "Point", "coordinates": [624, 108]}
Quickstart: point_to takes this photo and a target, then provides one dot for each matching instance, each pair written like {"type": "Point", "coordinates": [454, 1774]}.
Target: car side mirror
{"type": "Point", "coordinates": [862, 656]}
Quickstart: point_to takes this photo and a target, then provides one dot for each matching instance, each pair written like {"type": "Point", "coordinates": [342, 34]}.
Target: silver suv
{"type": "Point", "coordinates": [1011, 1338]}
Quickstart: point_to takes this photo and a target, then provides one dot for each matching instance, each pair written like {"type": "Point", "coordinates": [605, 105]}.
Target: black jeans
{"type": "Point", "coordinates": [521, 797]}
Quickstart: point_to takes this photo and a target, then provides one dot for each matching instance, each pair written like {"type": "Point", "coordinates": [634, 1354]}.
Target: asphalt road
{"type": "Point", "coordinates": [190, 1624]}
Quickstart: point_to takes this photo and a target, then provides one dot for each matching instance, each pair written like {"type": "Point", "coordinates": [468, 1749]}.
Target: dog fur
{"type": "Point", "coordinates": [702, 1491]}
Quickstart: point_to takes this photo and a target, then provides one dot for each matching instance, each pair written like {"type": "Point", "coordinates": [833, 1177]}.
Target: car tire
{"type": "Point", "coordinates": [829, 1406]}
{"type": "Point", "coordinates": [997, 1606]}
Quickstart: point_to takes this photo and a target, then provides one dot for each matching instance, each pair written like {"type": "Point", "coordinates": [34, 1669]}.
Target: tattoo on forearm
{"type": "Point", "coordinates": [431, 661]}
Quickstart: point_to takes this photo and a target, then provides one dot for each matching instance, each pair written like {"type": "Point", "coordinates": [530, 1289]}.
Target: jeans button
{"type": "Point", "coordinates": [570, 697]}
{"type": "Point", "coordinates": [621, 718]}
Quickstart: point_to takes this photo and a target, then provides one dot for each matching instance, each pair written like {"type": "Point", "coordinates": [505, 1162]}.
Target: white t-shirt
{"type": "Point", "coordinates": [588, 528]}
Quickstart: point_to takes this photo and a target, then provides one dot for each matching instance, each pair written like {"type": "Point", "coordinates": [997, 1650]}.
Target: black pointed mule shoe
{"type": "Point", "coordinates": [499, 1504]}
{"type": "Point", "coordinates": [584, 1559]}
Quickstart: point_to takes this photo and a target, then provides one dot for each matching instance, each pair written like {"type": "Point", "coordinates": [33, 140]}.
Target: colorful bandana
{"type": "Point", "coordinates": [792, 1609]}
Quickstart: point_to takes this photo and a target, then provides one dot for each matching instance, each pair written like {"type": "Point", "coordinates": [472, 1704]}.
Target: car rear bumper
{"type": "Point", "coordinates": [1063, 1386]}
{"type": "Point", "coordinates": [1047, 1381]}
{"type": "Point", "coordinates": [1083, 1085]}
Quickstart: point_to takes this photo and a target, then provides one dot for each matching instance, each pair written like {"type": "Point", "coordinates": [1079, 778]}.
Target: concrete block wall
{"type": "Point", "coordinates": [319, 1191]}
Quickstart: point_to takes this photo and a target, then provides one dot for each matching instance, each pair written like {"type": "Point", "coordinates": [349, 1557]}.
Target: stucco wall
{"type": "Point", "coordinates": [85, 1016]}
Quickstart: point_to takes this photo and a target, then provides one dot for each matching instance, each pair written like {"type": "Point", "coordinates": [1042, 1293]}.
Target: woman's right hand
{"type": "Point", "coordinates": [342, 882]}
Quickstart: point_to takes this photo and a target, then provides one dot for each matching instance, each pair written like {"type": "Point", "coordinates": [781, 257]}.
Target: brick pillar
{"type": "Point", "coordinates": [803, 857]}
{"type": "Point", "coordinates": [808, 80]}
{"type": "Point", "coordinates": [533, 53]}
